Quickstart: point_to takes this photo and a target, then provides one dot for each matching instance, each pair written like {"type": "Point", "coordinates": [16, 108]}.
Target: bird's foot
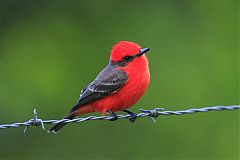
{"type": "Point", "coordinates": [133, 116]}
{"type": "Point", "coordinates": [114, 116]}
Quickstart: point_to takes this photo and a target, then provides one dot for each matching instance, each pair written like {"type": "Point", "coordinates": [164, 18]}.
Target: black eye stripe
{"type": "Point", "coordinates": [124, 61]}
{"type": "Point", "coordinates": [127, 57]}
{"type": "Point", "coordinates": [131, 57]}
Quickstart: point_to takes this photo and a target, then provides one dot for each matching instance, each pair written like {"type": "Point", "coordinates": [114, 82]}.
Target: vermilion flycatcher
{"type": "Point", "coordinates": [118, 86]}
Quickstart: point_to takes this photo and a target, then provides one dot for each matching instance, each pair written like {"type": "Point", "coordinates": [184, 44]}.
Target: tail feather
{"type": "Point", "coordinates": [59, 126]}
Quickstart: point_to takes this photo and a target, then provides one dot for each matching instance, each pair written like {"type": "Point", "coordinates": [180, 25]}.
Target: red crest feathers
{"type": "Point", "coordinates": [124, 48]}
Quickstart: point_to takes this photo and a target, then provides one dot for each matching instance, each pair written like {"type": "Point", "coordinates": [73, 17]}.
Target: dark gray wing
{"type": "Point", "coordinates": [107, 82]}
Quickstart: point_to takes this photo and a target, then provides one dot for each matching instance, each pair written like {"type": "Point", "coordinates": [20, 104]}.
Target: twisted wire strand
{"type": "Point", "coordinates": [154, 113]}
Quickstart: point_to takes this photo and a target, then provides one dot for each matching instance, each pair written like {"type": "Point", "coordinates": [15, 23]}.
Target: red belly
{"type": "Point", "coordinates": [126, 96]}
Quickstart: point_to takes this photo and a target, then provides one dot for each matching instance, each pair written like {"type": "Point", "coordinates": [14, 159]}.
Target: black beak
{"type": "Point", "coordinates": [143, 51]}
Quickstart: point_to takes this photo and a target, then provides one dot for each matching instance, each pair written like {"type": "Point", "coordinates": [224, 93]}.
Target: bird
{"type": "Point", "coordinates": [117, 87]}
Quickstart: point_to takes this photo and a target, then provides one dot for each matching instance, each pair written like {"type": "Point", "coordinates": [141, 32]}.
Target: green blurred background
{"type": "Point", "coordinates": [49, 50]}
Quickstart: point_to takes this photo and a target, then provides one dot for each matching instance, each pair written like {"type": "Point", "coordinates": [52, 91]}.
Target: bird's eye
{"type": "Point", "coordinates": [127, 58]}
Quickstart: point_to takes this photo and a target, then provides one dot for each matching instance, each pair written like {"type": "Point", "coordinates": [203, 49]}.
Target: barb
{"type": "Point", "coordinates": [35, 121]}
{"type": "Point", "coordinates": [144, 113]}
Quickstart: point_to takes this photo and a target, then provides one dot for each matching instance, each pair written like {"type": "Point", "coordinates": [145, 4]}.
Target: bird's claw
{"type": "Point", "coordinates": [114, 117]}
{"type": "Point", "coordinates": [133, 117]}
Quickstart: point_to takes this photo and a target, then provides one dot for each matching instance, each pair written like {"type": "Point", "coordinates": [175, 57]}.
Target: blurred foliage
{"type": "Point", "coordinates": [49, 50]}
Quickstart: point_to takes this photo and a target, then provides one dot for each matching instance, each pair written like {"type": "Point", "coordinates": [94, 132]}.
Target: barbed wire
{"type": "Point", "coordinates": [154, 113]}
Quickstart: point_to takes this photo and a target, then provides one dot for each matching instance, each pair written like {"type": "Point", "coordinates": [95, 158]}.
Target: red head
{"type": "Point", "coordinates": [125, 52]}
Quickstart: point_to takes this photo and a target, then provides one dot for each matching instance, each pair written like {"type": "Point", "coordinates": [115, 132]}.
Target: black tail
{"type": "Point", "coordinates": [59, 126]}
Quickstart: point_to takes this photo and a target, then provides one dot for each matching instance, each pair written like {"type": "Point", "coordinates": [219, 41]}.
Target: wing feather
{"type": "Point", "coordinates": [109, 81]}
